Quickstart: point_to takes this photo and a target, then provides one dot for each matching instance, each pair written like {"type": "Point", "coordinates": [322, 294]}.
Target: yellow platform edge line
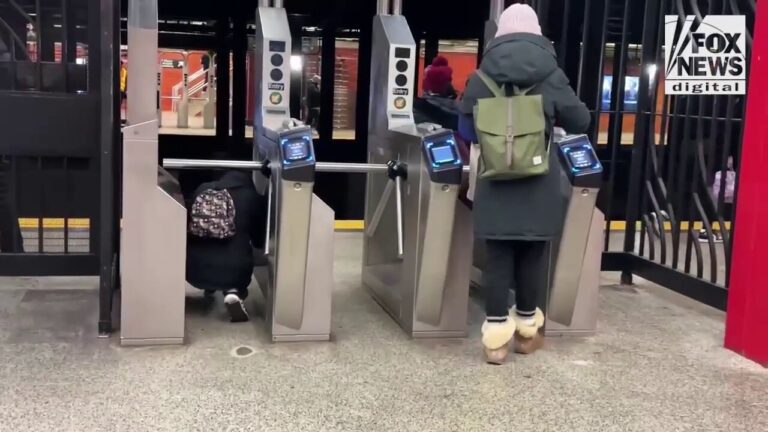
{"type": "Point", "coordinates": [349, 225]}
{"type": "Point", "coordinates": [339, 225]}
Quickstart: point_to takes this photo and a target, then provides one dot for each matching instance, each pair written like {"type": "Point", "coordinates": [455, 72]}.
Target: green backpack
{"type": "Point", "coordinates": [511, 133]}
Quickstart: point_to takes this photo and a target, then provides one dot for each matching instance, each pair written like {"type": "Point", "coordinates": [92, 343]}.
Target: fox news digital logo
{"type": "Point", "coordinates": [705, 58]}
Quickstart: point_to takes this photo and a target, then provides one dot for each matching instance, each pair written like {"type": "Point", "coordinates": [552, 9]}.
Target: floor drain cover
{"type": "Point", "coordinates": [243, 351]}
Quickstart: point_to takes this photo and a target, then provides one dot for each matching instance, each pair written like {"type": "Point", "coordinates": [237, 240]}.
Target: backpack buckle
{"type": "Point", "coordinates": [510, 142]}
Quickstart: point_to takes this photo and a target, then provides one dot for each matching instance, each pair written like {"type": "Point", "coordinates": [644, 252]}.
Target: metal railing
{"type": "Point", "coordinates": [671, 221]}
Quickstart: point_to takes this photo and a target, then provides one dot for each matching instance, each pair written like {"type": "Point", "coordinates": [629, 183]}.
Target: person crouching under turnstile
{"type": "Point", "coordinates": [226, 221]}
{"type": "Point", "coordinates": [517, 217]}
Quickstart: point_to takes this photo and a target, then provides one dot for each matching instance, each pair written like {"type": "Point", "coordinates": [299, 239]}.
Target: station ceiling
{"type": "Point", "coordinates": [458, 14]}
{"type": "Point", "coordinates": [445, 19]}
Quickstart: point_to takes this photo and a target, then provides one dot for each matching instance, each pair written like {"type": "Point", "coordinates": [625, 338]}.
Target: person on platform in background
{"type": "Point", "coordinates": [727, 178]}
{"type": "Point", "coordinates": [123, 86]}
{"type": "Point", "coordinates": [5, 53]}
{"type": "Point", "coordinates": [438, 79]}
{"type": "Point", "coordinates": [206, 62]}
{"type": "Point", "coordinates": [517, 219]}
{"type": "Point", "coordinates": [313, 101]}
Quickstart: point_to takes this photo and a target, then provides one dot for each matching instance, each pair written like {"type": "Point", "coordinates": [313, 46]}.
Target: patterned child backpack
{"type": "Point", "coordinates": [213, 215]}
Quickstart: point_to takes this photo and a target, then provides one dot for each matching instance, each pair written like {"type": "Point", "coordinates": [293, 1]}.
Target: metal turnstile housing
{"type": "Point", "coordinates": [416, 248]}
{"type": "Point", "coordinates": [153, 235]}
{"type": "Point", "coordinates": [299, 281]}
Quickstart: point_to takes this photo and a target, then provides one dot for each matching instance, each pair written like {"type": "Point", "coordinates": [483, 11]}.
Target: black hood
{"type": "Point", "coordinates": [236, 178]}
{"type": "Point", "coordinates": [523, 59]}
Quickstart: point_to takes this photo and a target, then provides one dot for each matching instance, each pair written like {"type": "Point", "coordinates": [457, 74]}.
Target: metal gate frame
{"type": "Point", "coordinates": [673, 179]}
{"type": "Point", "coordinates": [670, 172]}
{"type": "Point", "coordinates": [38, 122]}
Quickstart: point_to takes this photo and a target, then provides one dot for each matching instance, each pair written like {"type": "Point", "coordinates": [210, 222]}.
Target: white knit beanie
{"type": "Point", "coordinates": [518, 18]}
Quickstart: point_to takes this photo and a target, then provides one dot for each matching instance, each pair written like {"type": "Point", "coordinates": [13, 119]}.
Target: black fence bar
{"type": "Point", "coordinates": [238, 147]}
{"type": "Point", "coordinates": [616, 119]}
{"type": "Point", "coordinates": [40, 208]}
{"type": "Point", "coordinates": [697, 289]}
{"type": "Point", "coordinates": [109, 45]}
{"type": "Point", "coordinates": [67, 205]}
{"type": "Point", "coordinates": [64, 43]}
{"type": "Point", "coordinates": [222, 77]}
{"type": "Point", "coordinates": [644, 136]}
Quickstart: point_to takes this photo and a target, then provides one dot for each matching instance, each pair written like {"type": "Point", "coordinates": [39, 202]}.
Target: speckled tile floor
{"type": "Point", "coordinates": [657, 365]}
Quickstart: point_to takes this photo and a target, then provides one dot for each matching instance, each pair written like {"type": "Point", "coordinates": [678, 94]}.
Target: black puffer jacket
{"type": "Point", "coordinates": [214, 264]}
{"type": "Point", "coordinates": [531, 208]}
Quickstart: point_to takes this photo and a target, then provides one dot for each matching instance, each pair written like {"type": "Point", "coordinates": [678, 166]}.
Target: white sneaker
{"type": "Point", "coordinates": [236, 308]}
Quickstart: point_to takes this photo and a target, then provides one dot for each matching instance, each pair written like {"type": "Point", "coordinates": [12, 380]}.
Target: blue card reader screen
{"type": "Point", "coordinates": [295, 150]}
{"type": "Point", "coordinates": [442, 155]}
{"type": "Point", "coordinates": [581, 158]}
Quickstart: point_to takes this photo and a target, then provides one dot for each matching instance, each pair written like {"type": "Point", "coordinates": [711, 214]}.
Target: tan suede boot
{"type": "Point", "coordinates": [496, 339]}
{"type": "Point", "coordinates": [529, 338]}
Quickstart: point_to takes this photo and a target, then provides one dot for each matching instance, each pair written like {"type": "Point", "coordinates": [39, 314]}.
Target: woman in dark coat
{"type": "Point", "coordinates": [517, 219]}
{"type": "Point", "coordinates": [226, 265]}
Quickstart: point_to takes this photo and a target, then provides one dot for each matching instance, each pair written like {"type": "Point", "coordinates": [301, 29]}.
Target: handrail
{"type": "Point", "coordinates": [176, 89]}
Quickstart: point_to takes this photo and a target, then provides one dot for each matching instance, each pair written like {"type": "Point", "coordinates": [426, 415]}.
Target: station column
{"type": "Point", "coordinates": [746, 329]}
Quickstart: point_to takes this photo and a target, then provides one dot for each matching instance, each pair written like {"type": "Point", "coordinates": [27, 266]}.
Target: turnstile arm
{"type": "Point", "coordinates": [267, 237]}
{"type": "Point", "coordinates": [396, 172]}
{"type": "Point", "coordinates": [332, 167]}
{"type": "Point", "coordinates": [399, 203]}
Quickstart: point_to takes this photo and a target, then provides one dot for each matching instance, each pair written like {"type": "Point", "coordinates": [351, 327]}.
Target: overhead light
{"type": "Point", "coordinates": [297, 63]}
{"type": "Point", "coordinates": [652, 69]}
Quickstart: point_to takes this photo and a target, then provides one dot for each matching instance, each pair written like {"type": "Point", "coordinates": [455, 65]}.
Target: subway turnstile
{"type": "Point", "coordinates": [573, 264]}
{"type": "Point", "coordinates": [572, 305]}
{"type": "Point", "coordinates": [299, 278]}
{"type": "Point", "coordinates": [417, 251]}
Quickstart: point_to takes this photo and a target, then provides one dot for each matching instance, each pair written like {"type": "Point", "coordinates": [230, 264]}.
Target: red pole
{"type": "Point", "coordinates": [746, 329]}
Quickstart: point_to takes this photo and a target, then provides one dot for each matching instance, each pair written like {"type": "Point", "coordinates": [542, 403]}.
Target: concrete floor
{"type": "Point", "coordinates": [656, 365]}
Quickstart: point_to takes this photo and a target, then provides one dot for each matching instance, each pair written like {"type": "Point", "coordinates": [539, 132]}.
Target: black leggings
{"type": "Point", "coordinates": [522, 266]}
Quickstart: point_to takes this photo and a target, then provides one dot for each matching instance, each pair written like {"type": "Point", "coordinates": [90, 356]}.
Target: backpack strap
{"type": "Point", "coordinates": [522, 91]}
{"type": "Point", "coordinates": [491, 84]}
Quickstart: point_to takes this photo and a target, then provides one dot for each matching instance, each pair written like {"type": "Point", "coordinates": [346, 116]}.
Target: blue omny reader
{"type": "Point", "coordinates": [580, 161]}
{"type": "Point", "coordinates": [297, 153]}
{"type": "Point", "coordinates": [445, 164]}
